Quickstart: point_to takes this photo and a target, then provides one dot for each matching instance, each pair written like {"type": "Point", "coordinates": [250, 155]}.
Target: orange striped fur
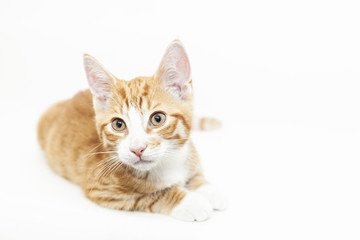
{"type": "Point", "coordinates": [81, 146]}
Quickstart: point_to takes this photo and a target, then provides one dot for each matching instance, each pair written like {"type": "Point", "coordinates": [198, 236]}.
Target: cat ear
{"type": "Point", "coordinates": [174, 71]}
{"type": "Point", "coordinates": [100, 82]}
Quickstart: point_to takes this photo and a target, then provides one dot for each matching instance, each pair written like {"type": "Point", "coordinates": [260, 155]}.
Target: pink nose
{"type": "Point", "coordinates": [138, 152]}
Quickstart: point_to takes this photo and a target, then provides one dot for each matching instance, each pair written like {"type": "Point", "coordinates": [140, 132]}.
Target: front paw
{"type": "Point", "coordinates": [214, 195]}
{"type": "Point", "coordinates": [194, 207]}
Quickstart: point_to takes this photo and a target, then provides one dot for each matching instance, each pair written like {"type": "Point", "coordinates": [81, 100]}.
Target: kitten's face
{"type": "Point", "coordinates": [144, 124]}
{"type": "Point", "coordinates": [147, 120]}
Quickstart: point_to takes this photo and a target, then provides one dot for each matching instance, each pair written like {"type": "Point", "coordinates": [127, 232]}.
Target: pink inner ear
{"type": "Point", "coordinates": [92, 79]}
{"type": "Point", "coordinates": [102, 100]}
{"type": "Point", "coordinates": [98, 82]}
{"type": "Point", "coordinates": [177, 87]}
{"type": "Point", "coordinates": [175, 71]}
{"type": "Point", "coordinates": [183, 67]}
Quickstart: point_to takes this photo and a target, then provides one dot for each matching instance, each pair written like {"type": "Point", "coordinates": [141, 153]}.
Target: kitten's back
{"type": "Point", "coordinates": [65, 127]}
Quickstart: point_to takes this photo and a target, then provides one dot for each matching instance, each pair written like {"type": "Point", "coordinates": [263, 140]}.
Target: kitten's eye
{"type": "Point", "coordinates": [157, 119]}
{"type": "Point", "coordinates": [118, 125]}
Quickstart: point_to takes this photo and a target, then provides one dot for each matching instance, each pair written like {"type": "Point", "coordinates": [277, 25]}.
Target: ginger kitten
{"type": "Point", "coordinates": [127, 143]}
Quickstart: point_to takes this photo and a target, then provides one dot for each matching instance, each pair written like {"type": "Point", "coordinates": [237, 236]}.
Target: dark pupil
{"type": "Point", "coordinates": [119, 123]}
{"type": "Point", "coordinates": [157, 118]}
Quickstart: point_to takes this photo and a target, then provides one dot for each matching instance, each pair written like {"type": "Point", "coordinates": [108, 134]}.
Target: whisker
{"type": "Point", "coordinates": [90, 154]}
{"type": "Point", "coordinates": [97, 145]}
{"type": "Point", "coordinates": [107, 165]}
{"type": "Point", "coordinates": [110, 169]}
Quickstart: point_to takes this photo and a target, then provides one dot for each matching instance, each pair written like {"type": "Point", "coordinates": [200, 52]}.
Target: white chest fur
{"type": "Point", "coordinates": [173, 170]}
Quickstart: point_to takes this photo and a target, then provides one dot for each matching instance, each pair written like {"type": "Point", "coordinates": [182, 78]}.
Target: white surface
{"type": "Point", "coordinates": [284, 77]}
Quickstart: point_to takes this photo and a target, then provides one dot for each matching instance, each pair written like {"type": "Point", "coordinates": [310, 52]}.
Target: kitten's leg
{"type": "Point", "coordinates": [199, 184]}
{"type": "Point", "coordinates": [176, 201]}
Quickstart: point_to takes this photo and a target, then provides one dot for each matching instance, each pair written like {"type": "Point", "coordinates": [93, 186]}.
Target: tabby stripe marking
{"type": "Point", "coordinates": [181, 117]}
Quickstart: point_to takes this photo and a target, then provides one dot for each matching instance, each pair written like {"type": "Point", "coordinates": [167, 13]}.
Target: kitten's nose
{"type": "Point", "coordinates": [138, 152]}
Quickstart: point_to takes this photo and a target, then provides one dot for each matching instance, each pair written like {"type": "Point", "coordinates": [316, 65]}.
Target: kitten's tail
{"type": "Point", "coordinates": [205, 124]}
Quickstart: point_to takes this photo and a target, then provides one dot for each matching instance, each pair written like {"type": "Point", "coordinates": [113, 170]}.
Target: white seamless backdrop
{"type": "Point", "coordinates": [283, 76]}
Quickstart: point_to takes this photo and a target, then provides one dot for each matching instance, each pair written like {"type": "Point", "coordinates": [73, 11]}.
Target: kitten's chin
{"type": "Point", "coordinates": [144, 165]}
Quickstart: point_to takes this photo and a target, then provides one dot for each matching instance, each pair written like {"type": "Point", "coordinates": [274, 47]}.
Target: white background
{"type": "Point", "coordinates": [283, 76]}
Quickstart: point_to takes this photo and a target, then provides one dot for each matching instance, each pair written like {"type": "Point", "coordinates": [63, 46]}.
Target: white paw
{"type": "Point", "coordinates": [194, 207]}
{"type": "Point", "coordinates": [214, 195]}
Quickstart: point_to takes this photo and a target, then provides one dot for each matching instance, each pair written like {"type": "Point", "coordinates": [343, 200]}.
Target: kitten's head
{"type": "Point", "coordinates": [146, 120]}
